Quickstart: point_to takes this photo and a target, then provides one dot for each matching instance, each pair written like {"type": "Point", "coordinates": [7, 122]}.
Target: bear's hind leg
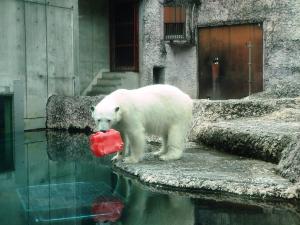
{"type": "Point", "coordinates": [175, 146]}
{"type": "Point", "coordinates": [164, 147]}
{"type": "Point", "coordinates": [137, 145]}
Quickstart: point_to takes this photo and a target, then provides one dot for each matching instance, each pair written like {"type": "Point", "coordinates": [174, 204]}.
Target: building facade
{"type": "Point", "coordinates": [210, 49]}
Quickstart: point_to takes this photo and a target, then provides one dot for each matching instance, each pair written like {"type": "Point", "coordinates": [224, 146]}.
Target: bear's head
{"type": "Point", "coordinates": [106, 115]}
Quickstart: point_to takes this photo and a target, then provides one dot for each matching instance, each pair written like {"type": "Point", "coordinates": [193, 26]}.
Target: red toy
{"type": "Point", "coordinates": [107, 209]}
{"type": "Point", "coordinates": [106, 143]}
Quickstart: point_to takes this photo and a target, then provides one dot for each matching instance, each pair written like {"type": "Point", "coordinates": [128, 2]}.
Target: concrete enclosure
{"type": "Point", "coordinates": [64, 47]}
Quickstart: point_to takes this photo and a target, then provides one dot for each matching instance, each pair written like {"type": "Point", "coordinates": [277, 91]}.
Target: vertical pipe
{"type": "Point", "coordinates": [249, 46]}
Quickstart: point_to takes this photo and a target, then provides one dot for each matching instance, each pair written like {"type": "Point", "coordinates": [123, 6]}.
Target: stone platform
{"type": "Point", "coordinates": [205, 169]}
{"type": "Point", "coordinates": [252, 132]}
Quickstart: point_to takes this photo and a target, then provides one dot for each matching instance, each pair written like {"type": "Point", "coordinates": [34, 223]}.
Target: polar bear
{"type": "Point", "coordinates": [161, 110]}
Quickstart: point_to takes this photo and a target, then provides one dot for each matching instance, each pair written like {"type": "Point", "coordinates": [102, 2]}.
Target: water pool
{"type": "Point", "coordinates": [54, 179]}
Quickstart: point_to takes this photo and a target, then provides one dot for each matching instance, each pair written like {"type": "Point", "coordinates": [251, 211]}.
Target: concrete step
{"type": "Point", "coordinates": [104, 89]}
{"type": "Point", "coordinates": [259, 129]}
{"type": "Point", "coordinates": [109, 82]}
{"type": "Point", "coordinates": [261, 139]}
{"type": "Point", "coordinates": [112, 75]}
{"type": "Point", "coordinates": [116, 75]}
{"type": "Point", "coordinates": [96, 93]}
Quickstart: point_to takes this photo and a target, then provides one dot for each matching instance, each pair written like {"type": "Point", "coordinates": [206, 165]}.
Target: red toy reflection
{"type": "Point", "coordinates": [107, 209]}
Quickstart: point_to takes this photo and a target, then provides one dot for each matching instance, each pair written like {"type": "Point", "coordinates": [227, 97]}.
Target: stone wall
{"type": "Point", "coordinates": [71, 112]}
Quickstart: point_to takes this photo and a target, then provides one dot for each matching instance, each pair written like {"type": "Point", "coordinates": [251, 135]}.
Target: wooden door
{"type": "Point", "coordinates": [124, 35]}
{"type": "Point", "coordinates": [230, 61]}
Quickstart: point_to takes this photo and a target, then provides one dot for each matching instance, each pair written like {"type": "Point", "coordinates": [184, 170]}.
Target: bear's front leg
{"type": "Point", "coordinates": [137, 144]}
{"type": "Point", "coordinates": [120, 155]}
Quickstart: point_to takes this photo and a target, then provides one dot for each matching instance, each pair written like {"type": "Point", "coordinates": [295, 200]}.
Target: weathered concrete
{"type": "Point", "coordinates": [38, 45]}
{"type": "Point", "coordinates": [255, 128]}
{"type": "Point", "coordinates": [202, 168]}
{"type": "Point", "coordinates": [253, 138]}
{"type": "Point", "coordinates": [206, 110]}
{"type": "Point", "coordinates": [93, 40]}
{"type": "Point", "coordinates": [70, 112]}
{"type": "Point", "coordinates": [263, 129]}
{"type": "Point", "coordinates": [289, 165]}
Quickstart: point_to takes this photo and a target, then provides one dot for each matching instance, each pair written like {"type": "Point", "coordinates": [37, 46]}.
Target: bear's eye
{"type": "Point", "coordinates": [108, 121]}
{"type": "Point", "coordinates": [99, 120]}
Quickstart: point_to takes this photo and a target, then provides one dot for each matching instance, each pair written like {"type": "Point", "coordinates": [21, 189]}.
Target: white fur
{"type": "Point", "coordinates": [161, 110]}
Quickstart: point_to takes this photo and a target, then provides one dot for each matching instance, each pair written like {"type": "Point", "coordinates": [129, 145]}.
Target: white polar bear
{"type": "Point", "coordinates": [161, 110]}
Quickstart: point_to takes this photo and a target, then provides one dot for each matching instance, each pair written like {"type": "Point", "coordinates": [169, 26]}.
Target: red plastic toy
{"type": "Point", "coordinates": [106, 143]}
{"type": "Point", "coordinates": [107, 209]}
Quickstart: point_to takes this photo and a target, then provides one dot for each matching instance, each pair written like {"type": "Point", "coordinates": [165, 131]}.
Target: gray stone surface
{"type": "Point", "coordinates": [203, 168]}
{"type": "Point", "coordinates": [70, 112]}
{"type": "Point", "coordinates": [289, 165]}
{"type": "Point", "coordinates": [280, 88]}
{"type": "Point", "coordinates": [207, 110]}
{"type": "Point", "coordinates": [253, 138]}
{"type": "Point", "coordinates": [255, 128]}
{"type": "Point", "coordinates": [266, 129]}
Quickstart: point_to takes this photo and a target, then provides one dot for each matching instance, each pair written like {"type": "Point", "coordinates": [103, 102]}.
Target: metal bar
{"type": "Point", "coordinates": [249, 46]}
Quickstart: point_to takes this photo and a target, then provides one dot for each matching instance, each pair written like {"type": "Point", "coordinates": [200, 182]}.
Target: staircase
{"type": "Point", "coordinates": [111, 81]}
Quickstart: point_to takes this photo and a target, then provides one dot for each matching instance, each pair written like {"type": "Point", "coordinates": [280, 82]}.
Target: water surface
{"type": "Point", "coordinates": [54, 179]}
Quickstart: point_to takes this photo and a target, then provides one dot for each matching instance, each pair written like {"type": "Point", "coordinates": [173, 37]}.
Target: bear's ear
{"type": "Point", "coordinates": [117, 109]}
{"type": "Point", "coordinates": [92, 108]}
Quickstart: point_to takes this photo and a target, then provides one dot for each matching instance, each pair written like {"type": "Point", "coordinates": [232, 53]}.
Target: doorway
{"type": "Point", "coordinates": [6, 134]}
{"type": "Point", "coordinates": [124, 35]}
{"type": "Point", "coordinates": [230, 61]}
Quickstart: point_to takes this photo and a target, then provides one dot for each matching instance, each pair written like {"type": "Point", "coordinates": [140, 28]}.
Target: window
{"type": "Point", "coordinates": [174, 22]}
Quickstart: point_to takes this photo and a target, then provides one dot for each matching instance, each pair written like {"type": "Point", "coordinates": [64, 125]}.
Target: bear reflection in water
{"type": "Point", "coordinates": [149, 208]}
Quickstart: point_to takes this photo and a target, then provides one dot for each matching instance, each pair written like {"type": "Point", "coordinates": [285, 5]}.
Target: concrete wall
{"type": "Point", "coordinates": [39, 49]}
{"type": "Point", "coordinates": [281, 31]}
{"type": "Point", "coordinates": [12, 46]}
{"type": "Point", "coordinates": [178, 61]}
{"type": "Point", "coordinates": [93, 40]}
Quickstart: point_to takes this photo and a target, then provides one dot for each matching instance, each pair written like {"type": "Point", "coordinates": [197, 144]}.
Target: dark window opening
{"type": "Point", "coordinates": [124, 36]}
{"type": "Point", "coordinates": [174, 22]}
{"type": "Point", "coordinates": [158, 75]}
{"type": "Point", "coordinates": [6, 134]}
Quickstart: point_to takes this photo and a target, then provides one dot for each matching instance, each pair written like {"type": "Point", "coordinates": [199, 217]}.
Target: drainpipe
{"type": "Point", "coordinates": [249, 46]}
